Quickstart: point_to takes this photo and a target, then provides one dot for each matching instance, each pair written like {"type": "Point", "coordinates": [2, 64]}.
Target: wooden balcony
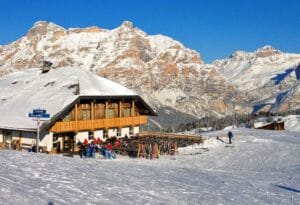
{"type": "Point", "coordinates": [81, 125]}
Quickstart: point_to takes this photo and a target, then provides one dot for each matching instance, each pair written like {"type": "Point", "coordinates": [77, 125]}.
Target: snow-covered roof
{"type": "Point", "coordinates": [23, 91]}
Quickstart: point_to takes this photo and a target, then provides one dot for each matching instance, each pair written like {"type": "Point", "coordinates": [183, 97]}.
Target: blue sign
{"type": "Point", "coordinates": [39, 113]}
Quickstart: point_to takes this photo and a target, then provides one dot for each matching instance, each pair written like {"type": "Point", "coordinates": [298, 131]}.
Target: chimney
{"type": "Point", "coordinates": [46, 66]}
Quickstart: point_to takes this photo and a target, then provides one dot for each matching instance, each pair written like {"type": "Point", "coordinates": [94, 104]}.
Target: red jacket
{"type": "Point", "coordinates": [109, 147]}
{"type": "Point", "coordinates": [117, 144]}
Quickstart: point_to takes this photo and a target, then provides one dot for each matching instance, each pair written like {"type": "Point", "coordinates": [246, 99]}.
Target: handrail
{"type": "Point", "coordinates": [80, 125]}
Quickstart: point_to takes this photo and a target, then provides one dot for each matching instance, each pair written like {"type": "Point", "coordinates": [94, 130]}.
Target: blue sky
{"type": "Point", "coordinates": [215, 28]}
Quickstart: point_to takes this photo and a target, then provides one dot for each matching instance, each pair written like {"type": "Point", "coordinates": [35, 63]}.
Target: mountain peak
{"type": "Point", "coordinates": [267, 51]}
{"type": "Point", "coordinates": [41, 23]}
{"type": "Point", "coordinates": [238, 53]}
{"type": "Point", "coordinates": [42, 27]}
{"type": "Point", "coordinates": [45, 24]}
{"type": "Point", "coordinates": [127, 24]}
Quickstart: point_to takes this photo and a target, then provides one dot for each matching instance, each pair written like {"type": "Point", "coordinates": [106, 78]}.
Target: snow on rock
{"type": "Point", "coordinates": [263, 76]}
{"type": "Point", "coordinates": [262, 168]}
{"type": "Point", "coordinates": [158, 67]}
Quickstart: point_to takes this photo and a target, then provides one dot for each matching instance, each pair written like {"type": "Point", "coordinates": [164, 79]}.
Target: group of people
{"type": "Point", "coordinates": [89, 150]}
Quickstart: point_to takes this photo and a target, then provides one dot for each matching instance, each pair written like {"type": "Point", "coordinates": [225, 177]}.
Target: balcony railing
{"type": "Point", "coordinates": [81, 125]}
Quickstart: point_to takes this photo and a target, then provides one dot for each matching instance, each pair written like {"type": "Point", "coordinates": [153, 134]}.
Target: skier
{"type": "Point", "coordinates": [81, 147]}
{"type": "Point", "coordinates": [92, 150]}
{"type": "Point", "coordinates": [108, 152]}
{"type": "Point", "coordinates": [230, 136]}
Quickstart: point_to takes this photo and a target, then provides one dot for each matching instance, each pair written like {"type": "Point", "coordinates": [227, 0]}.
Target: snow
{"type": "Point", "coordinates": [292, 123]}
{"type": "Point", "coordinates": [263, 167]}
{"type": "Point", "coordinates": [250, 71]}
{"type": "Point", "coordinates": [267, 75]}
{"type": "Point", "coordinates": [162, 43]}
{"type": "Point", "coordinates": [23, 91]}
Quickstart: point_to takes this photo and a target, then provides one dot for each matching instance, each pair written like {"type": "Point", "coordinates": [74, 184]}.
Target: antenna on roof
{"type": "Point", "coordinates": [78, 87]}
{"type": "Point", "coordinates": [46, 66]}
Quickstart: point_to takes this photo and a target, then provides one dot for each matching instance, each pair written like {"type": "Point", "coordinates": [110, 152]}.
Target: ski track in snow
{"type": "Point", "coordinates": [263, 167]}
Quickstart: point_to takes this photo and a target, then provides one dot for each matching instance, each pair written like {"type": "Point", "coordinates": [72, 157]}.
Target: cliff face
{"type": "Point", "coordinates": [170, 77]}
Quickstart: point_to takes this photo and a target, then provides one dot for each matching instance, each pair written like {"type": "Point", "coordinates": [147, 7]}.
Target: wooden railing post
{"type": "Point", "coordinates": [132, 109]}
{"type": "Point", "coordinates": [120, 121]}
{"type": "Point", "coordinates": [120, 109]}
{"type": "Point", "coordinates": [132, 113]}
{"type": "Point", "coordinates": [92, 114]}
{"type": "Point", "coordinates": [106, 106]}
{"type": "Point", "coordinates": [77, 125]}
{"type": "Point", "coordinates": [76, 118]}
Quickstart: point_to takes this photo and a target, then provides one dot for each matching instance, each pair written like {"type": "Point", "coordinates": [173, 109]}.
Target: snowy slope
{"type": "Point", "coordinates": [262, 168]}
{"type": "Point", "coordinates": [23, 91]}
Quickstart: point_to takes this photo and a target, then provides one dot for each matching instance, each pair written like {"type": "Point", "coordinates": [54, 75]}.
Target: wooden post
{"type": "Point", "coordinates": [156, 153]}
{"type": "Point", "coordinates": [92, 110]}
{"type": "Point", "coordinates": [132, 113]}
{"type": "Point", "coordinates": [76, 117]}
{"type": "Point", "coordinates": [139, 150]}
{"type": "Point", "coordinates": [119, 120]}
{"type": "Point", "coordinates": [106, 106]}
{"type": "Point", "coordinates": [92, 114]}
{"type": "Point", "coordinates": [120, 109]}
{"type": "Point", "coordinates": [132, 108]}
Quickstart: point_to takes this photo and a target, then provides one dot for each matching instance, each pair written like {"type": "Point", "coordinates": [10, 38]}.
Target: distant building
{"type": "Point", "coordinates": [275, 125]}
{"type": "Point", "coordinates": [81, 104]}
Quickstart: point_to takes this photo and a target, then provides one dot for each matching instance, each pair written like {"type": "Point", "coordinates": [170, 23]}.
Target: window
{"type": "Point", "coordinates": [105, 134]}
{"type": "Point", "coordinates": [67, 118]}
{"type": "Point", "coordinates": [56, 143]}
{"type": "Point", "coordinates": [130, 130]}
{"type": "Point", "coordinates": [126, 109]}
{"type": "Point", "coordinates": [85, 112]}
{"type": "Point", "coordinates": [99, 111]}
{"type": "Point", "coordinates": [118, 132]}
{"type": "Point", "coordinates": [127, 112]}
{"type": "Point", "coordinates": [112, 110]}
{"type": "Point", "coordinates": [91, 135]}
{"type": "Point", "coordinates": [110, 113]}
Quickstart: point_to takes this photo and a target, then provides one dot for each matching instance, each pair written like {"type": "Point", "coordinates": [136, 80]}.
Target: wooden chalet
{"type": "Point", "coordinates": [100, 109]}
{"type": "Point", "coordinates": [272, 126]}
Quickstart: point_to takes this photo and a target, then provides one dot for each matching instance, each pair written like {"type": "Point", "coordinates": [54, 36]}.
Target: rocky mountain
{"type": "Point", "coordinates": [269, 77]}
{"type": "Point", "coordinates": [170, 77]}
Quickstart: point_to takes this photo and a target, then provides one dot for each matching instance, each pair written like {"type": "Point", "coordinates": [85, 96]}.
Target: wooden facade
{"type": "Point", "coordinates": [90, 115]}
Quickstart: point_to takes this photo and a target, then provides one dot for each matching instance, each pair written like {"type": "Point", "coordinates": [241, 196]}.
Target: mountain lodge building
{"type": "Point", "coordinates": [81, 104]}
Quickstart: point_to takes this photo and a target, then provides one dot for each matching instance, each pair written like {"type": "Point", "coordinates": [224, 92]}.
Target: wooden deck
{"type": "Point", "coordinates": [81, 125]}
{"type": "Point", "coordinates": [175, 136]}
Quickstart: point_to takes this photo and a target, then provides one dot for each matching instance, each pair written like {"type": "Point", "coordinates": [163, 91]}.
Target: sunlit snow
{"type": "Point", "coordinates": [263, 167]}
